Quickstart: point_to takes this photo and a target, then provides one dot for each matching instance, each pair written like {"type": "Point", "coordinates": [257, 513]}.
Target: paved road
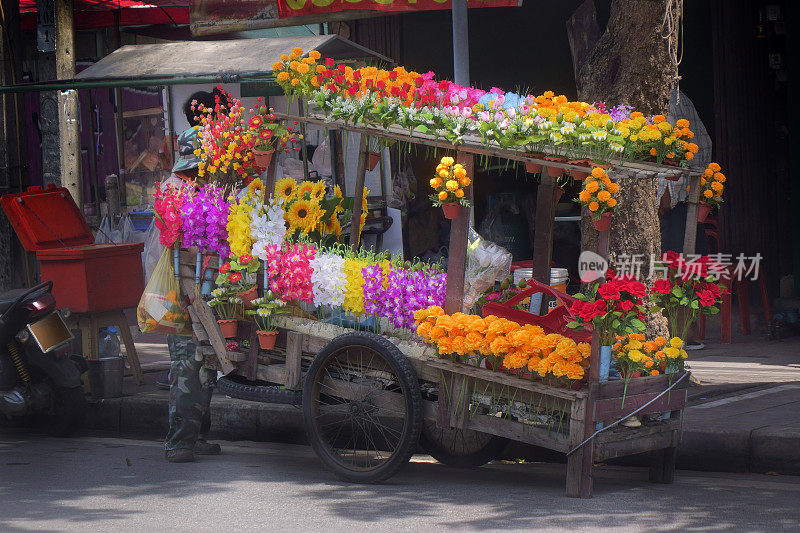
{"type": "Point", "coordinates": [109, 484]}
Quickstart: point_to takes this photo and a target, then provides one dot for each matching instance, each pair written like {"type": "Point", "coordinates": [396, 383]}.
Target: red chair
{"type": "Point", "coordinates": [555, 321]}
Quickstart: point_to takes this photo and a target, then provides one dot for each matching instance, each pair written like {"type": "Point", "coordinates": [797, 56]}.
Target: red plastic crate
{"type": "Point", "coordinates": [86, 277]}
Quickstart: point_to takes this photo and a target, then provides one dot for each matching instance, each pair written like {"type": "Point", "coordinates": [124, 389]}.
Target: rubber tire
{"type": "Point", "coordinates": [69, 412]}
{"type": "Point", "coordinates": [238, 387]}
{"type": "Point", "coordinates": [490, 451]}
{"type": "Point", "coordinates": [413, 399]}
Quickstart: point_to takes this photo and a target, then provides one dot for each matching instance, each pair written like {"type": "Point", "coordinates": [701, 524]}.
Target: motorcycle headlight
{"type": "Point", "coordinates": [23, 336]}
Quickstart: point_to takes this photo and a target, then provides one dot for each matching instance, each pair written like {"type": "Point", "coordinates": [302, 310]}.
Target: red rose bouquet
{"type": "Point", "coordinates": [614, 307]}
{"type": "Point", "coordinates": [690, 287]}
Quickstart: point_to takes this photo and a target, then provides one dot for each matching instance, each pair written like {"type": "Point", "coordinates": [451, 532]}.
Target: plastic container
{"type": "Point", "coordinates": [105, 376]}
{"type": "Point", "coordinates": [86, 277]}
{"type": "Point", "coordinates": [141, 220]}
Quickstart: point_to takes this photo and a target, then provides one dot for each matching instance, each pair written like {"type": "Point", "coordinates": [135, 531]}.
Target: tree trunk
{"type": "Point", "coordinates": [629, 64]}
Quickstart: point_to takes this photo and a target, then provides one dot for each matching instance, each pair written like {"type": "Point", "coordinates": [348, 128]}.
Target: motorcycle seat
{"type": "Point", "coordinates": [8, 298]}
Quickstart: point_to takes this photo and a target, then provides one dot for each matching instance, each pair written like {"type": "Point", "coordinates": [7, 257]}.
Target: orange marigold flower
{"type": "Point", "coordinates": [593, 206]}
{"type": "Point", "coordinates": [598, 172]}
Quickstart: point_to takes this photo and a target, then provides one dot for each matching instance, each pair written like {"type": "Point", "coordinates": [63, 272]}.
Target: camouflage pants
{"type": "Point", "coordinates": [190, 387]}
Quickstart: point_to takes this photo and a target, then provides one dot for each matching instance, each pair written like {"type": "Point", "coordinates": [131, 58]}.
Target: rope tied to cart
{"type": "Point", "coordinates": [604, 428]}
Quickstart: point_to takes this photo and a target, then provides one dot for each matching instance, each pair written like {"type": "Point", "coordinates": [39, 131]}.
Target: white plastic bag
{"type": "Point", "coordinates": [153, 249]}
{"type": "Point", "coordinates": [104, 233]}
{"type": "Point", "coordinates": [486, 263]}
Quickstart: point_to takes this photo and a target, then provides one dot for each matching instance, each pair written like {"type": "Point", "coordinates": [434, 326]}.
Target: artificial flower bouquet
{"type": "Point", "coordinates": [269, 134]}
{"type": "Point", "coordinates": [228, 306]}
{"type": "Point", "coordinates": [711, 187]}
{"type": "Point", "coordinates": [526, 351]}
{"type": "Point", "coordinates": [266, 308]}
{"type": "Point", "coordinates": [612, 307]}
{"type": "Point", "coordinates": [298, 75]}
{"type": "Point", "coordinates": [449, 183]}
{"type": "Point", "coordinates": [226, 144]}
{"type": "Point", "coordinates": [598, 197]}
{"type": "Point", "coordinates": [688, 289]}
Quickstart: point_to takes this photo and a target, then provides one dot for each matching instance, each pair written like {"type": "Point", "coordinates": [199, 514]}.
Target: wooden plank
{"type": "Point", "coordinates": [473, 145]}
{"type": "Point", "coordinates": [457, 251]}
{"type": "Point", "coordinates": [634, 444]}
{"type": "Point", "coordinates": [271, 373]}
{"type": "Point", "coordinates": [237, 357]}
{"type": "Point", "coordinates": [294, 377]}
{"type": "Point", "coordinates": [358, 192]}
{"type": "Point", "coordinates": [206, 316]}
{"type": "Point", "coordinates": [614, 409]}
{"type": "Point", "coordinates": [514, 382]}
{"type": "Point", "coordinates": [662, 465]}
{"type": "Point", "coordinates": [252, 352]}
{"type": "Point", "coordinates": [520, 432]}
{"type": "Point", "coordinates": [543, 239]}
{"type": "Point", "coordinates": [644, 385]}
{"type": "Point", "coordinates": [197, 327]}
{"type": "Point", "coordinates": [577, 433]}
{"type": "Point", "coordinates": [460, 389]}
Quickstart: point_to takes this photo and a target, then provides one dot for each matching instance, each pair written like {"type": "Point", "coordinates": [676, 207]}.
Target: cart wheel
{"type": "Point", "coordinates": [362, 407]}
{"type": "Point", "coordinates": [460, 448]}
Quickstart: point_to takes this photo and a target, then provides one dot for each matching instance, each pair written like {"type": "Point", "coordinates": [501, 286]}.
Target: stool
{"type": "Point", "coordinates": [740, 286]}
{"type": "Point", "coordinates": [90, 324]}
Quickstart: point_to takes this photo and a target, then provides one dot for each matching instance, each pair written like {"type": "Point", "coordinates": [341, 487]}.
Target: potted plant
{"type": "Point", "coordinates": [711, 187]}
{"type": "Point", "coordinates": [268, 134]}
{"type": "Point", "coordinates": [598, 197]}
{"type": "Point", "coordinates": [449, 183]}
{"type": "Point", "coordinates": [241, 274]}
{"type": "Point", "coordinates": [613, 307]}
{"type": "Point", "coordinates": [263, 315]}
{"type": "Point", "coordinates": [227, 306]}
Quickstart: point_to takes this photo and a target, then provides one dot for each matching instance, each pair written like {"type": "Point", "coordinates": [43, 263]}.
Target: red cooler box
{"type": "Point", "coordinates": [86, 277]}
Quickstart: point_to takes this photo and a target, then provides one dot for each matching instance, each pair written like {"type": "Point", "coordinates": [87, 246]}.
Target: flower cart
{"type": "Point", "coordinates": [389, 373]}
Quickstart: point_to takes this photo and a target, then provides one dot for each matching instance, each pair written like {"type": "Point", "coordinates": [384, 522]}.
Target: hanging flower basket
{"type": "Point", "coordinates": [703, 211]}
{"type": "Point", "coordinates": [451, 210]}
{"type": "Point", "coordinates": [373, 158]}
{"type": "Point", "coordinates": [248, 296]}
{"type": "Point", "coordinates": [229, 327]}
{"type": "Point", "coordinates": [604, 222]}
{"type": "Point", "coordinates": [266, 339]}
{"type": "Point", "coordinates": [263, 158]}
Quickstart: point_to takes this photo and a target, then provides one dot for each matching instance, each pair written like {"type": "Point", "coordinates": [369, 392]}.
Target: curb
{"type": "Point", "coordinates": [771, 449]}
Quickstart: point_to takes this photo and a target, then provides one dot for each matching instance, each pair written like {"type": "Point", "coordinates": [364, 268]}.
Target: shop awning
{"type": "Point", "coordinates": [90, 14]}
{"type": "Point", "coordinates": [190, 62]}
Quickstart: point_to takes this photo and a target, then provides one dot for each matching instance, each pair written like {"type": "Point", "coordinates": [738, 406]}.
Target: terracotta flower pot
{"type": "Point", "coordinates": [373, 158]}
{"type": "Point", "coordinates": [554, 172]}
{"type": "Point", "coordinates": [675, 177]}
{"type": "Point", "coordinates": [248, 296]}
{"type": "Point", "coordinates": [229, 327]}
{"type": "Point", "coordinates": [263, 158]}
{"type": "Point", "coordinates": [451, 210]}
{"type": "Point", "coordinates": [580, 174]}
{"type": "Point", "coordinates": [533, 168]}
{"type": "Point", "coordinates": [702, 211]}
{"type": "Point", "coordinates": [604, 222]}
{"type": "Point", "coordinates": [266, 339]}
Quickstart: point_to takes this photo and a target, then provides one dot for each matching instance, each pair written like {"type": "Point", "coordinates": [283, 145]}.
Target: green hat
{"type": "Point", "coordinates": [187, 144]}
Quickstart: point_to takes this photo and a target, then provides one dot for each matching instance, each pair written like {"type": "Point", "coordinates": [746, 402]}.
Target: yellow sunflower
{"type": "Point", "coordinates": [318, 192]}
{"type": "Point", "coordinates": [285, 189]}
{"type": "Point", "coordinates": [302, 215]}
{"type": "Point", "coordinates": [331, 226]}
{"type": "Point", "coordinates": [306, 187]}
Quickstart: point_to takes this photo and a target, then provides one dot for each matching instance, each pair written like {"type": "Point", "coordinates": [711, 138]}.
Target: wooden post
{"type": "Point", "coordinates": [112, 197]}
{"type": "Point", "coordinates": [457, 252]}
{"type": "Point", "coordinates": [358, 191]}
{"type": "Point", "coordinates": [68, 115]}
{"type": "Point", "coordinates": [546, 200]}
{"type": "Point", "coordinates": [690, 236]}
{"type": "Point", "coordinates": [294, 373]}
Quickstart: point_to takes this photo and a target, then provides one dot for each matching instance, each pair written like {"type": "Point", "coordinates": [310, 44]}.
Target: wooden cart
{"type": "Point", "coordinates": [367, 399]}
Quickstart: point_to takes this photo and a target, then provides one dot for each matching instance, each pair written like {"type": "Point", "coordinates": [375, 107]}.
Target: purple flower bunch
{"type": "Point", "coordinates": [374, 297]}
{"type": "Point", "coordinates": [405, 292]}
{"type": "Point", "coordinates": [205, 217]}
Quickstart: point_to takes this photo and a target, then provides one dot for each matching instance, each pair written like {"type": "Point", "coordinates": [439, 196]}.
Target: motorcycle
{"type": "Point", "coordinates": [40, 381]}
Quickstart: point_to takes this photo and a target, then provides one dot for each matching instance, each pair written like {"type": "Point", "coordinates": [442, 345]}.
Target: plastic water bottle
{"type": "Point", "coordinates": [109, 344]}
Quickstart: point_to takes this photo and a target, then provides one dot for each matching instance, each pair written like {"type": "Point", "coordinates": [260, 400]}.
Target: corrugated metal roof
{"type": "Point", "coordinates": [215, 58]}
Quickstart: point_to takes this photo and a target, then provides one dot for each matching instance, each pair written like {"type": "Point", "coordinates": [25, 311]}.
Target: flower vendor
{"type": "Point", "coordinates": [190, 384]}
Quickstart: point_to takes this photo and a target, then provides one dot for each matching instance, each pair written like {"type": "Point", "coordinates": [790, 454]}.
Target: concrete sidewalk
{"type": "Point", "coordinates": [743, 415]}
